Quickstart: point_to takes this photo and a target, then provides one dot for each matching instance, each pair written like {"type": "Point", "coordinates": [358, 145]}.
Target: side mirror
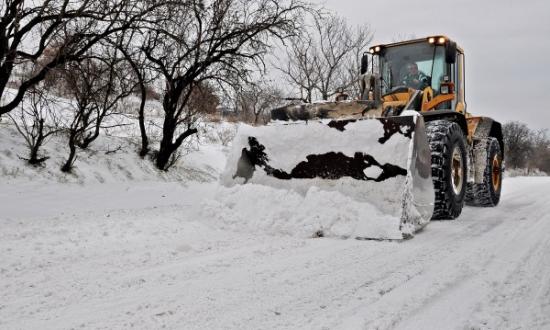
{"type": "Point", "coordinates": [450, 52]}
{"type": "Point", "coordinates": [364, 63]}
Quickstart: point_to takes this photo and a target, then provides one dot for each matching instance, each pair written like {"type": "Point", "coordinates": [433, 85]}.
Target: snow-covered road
{"type": "Point", "coordinates": [143, 256]}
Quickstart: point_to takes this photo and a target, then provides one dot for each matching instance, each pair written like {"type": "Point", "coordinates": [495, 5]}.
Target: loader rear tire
{"type": "Point", "coordinates": [448, 149]}
{"type": "Point", "coordinates": [487, 193]}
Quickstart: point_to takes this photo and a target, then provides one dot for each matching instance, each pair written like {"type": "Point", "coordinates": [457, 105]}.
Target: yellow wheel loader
{"type": "Point", "coordinates": [408, 146]}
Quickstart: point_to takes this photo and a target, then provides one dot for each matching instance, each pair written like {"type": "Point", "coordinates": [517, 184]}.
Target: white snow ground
{"type": "Point", "coordinates": [150, 251]}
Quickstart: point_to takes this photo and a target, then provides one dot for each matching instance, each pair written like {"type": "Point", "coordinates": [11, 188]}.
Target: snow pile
{"type": "Point", "coordinates": [288, 144]}
{"type": "Point", "coordinates": [384, 203]}
{"type": "Point", "coordinates": [258, 208]}
{"type": "Point", "coordinates": [110, 159]}
{"type": "Point", "coordinates": [513, 172]}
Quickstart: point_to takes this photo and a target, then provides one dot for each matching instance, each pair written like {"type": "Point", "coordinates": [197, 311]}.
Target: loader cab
{"type": "Point", "coordinates": [435, 62]}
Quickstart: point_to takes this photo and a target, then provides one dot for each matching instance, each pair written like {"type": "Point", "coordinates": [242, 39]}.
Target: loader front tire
{"type": "Point", "coordinates": [487, 193]}
{"type": "Point", "coordinates": [448, 149]}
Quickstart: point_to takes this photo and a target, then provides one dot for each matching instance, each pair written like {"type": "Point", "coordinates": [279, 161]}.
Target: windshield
{"type": "Point", "coordinates": [416, 65]}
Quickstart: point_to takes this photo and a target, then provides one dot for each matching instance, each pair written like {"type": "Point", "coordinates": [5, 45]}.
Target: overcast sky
{"type": "Point", "coordinates": [507, 47]}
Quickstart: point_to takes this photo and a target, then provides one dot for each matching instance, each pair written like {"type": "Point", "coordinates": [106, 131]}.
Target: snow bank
{"type": "Point", "coordinates": [379, 183]}
{"type": "Point", "coordinates": [110, 159]}
{"type": "Point", "coordinates": [259, 208]}
{"type": "Point", "coordinates": [513, 172]}
{"type": "Point", "coordinates": [287, 144]}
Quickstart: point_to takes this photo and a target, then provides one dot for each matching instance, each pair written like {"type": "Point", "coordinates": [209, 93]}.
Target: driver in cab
{"type": "Point", "coordinates": [414, 78]}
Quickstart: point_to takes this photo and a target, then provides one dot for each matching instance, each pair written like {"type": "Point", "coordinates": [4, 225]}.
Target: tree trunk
{"type": "Point", "coordinates": [144, 140]}
{"type": "Point", "coordinates": [163, 156]}
{"type": "Point", "coordinates": [35, 146]}
{"type": "Point", "coordinates": [86, 141]}
{"type": "Point", "coordinates": [166, 146]}
{"type": "Point", "coordinates": [33, 157]}
{"type": "Point", "coordinates": [68, 166]}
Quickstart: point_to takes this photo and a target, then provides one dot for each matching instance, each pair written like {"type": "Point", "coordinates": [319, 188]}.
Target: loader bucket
{"type": "Point", "coordinates": [384, 161]}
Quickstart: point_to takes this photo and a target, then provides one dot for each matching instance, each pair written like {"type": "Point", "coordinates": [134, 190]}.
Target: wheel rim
{"type": "Point", "coordinates": [496, 172]}
{"type": "Point", "coordinates": [457, 173]}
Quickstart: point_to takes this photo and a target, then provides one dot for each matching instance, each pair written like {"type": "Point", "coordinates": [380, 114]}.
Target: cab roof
{"type": "Point", "coordinates": [434, 39]}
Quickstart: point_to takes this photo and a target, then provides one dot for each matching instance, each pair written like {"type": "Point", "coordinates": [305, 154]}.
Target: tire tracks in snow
{"type": "Point", "coordinates": [453, 274]}
{"type": "Point", "coordinates": [449, 300]}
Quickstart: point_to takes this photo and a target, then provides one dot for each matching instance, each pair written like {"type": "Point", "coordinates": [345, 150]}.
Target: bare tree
{"type": "Point", "coordinates": [36, 122]}
{"type": "Point", "coordinates": [518, 143]}
{"type": "Point", "coordinates": [326, 58]}
{"type": "Point", "coordinates": [209, 41]}
{"type": "Point", "coordinates": [68, 29]}
{"type": "Point", "coordinates": [128, 44]}
{"type": "Point", "coordinates": [97, 84]}
{"type": "Point", "coordinates": [115, 83]}
{"type": "Point", "coordinates": [352, 64]}
{"type": "Point", "coordinates": [526, 148]}
{"type": "Point", "coordinates": [300, 69]}
{"type": "Point", "coordinates": [541, 151]}
{"type": "Point", "coordinates": [254, 100]}
{"type": "Point", "coordinates": [340, 45]}
{"type": "Point", "coordinates": [203, 99]}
